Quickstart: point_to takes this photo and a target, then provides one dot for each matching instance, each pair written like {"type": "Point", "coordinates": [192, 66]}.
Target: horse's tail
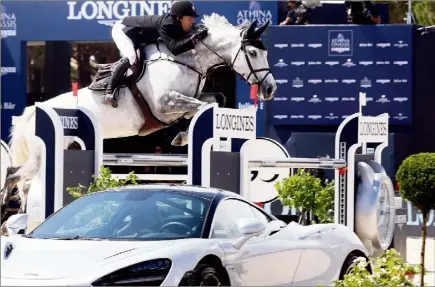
{"type": "Point", "coordinates": [21, 126]}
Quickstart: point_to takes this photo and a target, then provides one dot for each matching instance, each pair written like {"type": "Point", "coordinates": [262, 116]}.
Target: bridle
{"type": "Point", "coordinates": [244, 43]}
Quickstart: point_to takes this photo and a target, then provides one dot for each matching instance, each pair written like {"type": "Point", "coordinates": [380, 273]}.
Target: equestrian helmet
{"type": "Point", "coordinates": [183, 8]}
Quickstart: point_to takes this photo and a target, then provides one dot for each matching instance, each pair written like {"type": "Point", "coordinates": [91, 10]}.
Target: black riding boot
{"type": "Point", "coordinates": [120, 70]}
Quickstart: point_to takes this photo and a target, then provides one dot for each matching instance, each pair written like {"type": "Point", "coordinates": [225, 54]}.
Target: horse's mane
{"type": "Point", "coordinates": [215, 20]}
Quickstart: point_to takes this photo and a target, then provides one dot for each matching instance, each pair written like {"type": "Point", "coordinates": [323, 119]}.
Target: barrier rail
{"type": "Point", "coordinates": [113, 159]}
{"type": "Point", "coordinates": [298, 163]}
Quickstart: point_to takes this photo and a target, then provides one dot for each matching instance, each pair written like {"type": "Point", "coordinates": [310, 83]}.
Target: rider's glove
{"type": "Point", "coordinates": [201, 34]}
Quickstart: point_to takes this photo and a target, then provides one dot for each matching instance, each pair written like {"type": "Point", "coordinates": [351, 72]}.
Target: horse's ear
{"type": "Point", "coordinates": [261, 30]}
{"type": "Point", "coordinates": [251, 30]}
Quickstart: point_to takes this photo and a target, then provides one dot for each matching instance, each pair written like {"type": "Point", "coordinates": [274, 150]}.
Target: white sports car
{"type": "Point", "coordinates": [155, 235]}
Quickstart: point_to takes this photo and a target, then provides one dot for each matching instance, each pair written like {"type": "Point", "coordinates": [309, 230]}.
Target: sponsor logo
{"type": "Point", "coordinates": [383, 81]}
{"type": "Point", "coordinates": [348, 81]}
{"type": "Point", "coordinates": [298, 63]}
{"type": "Point", "coordinates": [369, 99]}
{"type": "Point", "coordinates": [400, 44]}
{"type": "Point", "coordinates": [254, 13]}
{"type": "Point", "coordinates": [366, 63]}
{"type": "Point", "coordinates": [400, 63]}
{"type": "Point", "coordinates": [314, 81]}
{"type": "Point", "coordinates": [400, 81]}
{"type": "Point", "coordinates": [281, 63]}
{"type": "Point", "coordinates": [315, 99]}
{"type": "Point", "coordinates": [298, 83]}
{"type": "Point", "coordinates": [331, 81]}
{"type": "Point", "coordinates": [382, 62]}
{"type": "Point", "coordinates": [314, 117]}
{"type": "Point", "coordinates": [297, 45]}
{"type": "Point", "coordinates": [383, 45]}
{"type": "Point", "coordinates": [8, 70]}
{"type": "Point", "coordinates": [365, 45]}
{"type": "Point", "coordinates": [311, 63]}
{"type": "Point", "coordinates": [69, 123]}
{"type": "Point", "coordinates": [340, 42]}
{"type": "Point", "coordinates": [400, 117]}
{"type": "Point", "coordinates": [331, 99]}
{"type": "Point", "coordinates": [400, 99]}
{"type": "Point", "coordinates": [281, 46]}
{"type": "Point", "coordinates": [232, 122]}
{"type": "Point", "coordinates": [348, 99]}
{"type": "Point", "coordinates": [279, 99]}
{"type": "Point", "coordinates": [383, 99]}
{"type": "Point", "coordinates": [331, 116]}
{"type": "Point", "coordinates": [281, 81]}
{"type": "Point", "coordinates": [297, 99]}
{"type": "Point", "coordinates": [297, 116]}
{"type": "Point", "coordinates": [348, 63]}
{"type": "Point", "coordinates": [331, 63]}
{"type": "Point", "coordinates": [366, 83]}
{"type": "Point", "coordinates": [280, 117]}
{"type": "Point", "coordinates": [108, 12]}
{"type": "Point", "coordinates": [8, 25]}
{"type": "Point", "coordinates": [315, 45]}
{"type": "Point", "coordinates": [248, 105]}
{"type": "Point", "coordinates": [7, 106]}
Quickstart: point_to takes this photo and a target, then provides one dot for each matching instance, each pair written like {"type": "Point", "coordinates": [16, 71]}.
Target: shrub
{"type": "Point", "coordinates": [104, 181]}
{"type": "Point", "coordinates": [306, 192]}
{"type": "Point", "coordinates": [416, 177]}
{"type": "Point", "coordinates": [388, 270]}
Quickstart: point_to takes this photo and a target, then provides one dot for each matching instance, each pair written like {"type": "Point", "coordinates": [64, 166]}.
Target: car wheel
{"type": "Point", "coordinates": [203, 275]}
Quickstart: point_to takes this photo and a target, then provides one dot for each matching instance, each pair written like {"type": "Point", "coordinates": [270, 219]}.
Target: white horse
{"type": "Point", "coordinates": [171, 89]}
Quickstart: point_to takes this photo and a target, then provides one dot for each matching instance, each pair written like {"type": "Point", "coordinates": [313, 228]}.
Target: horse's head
{"type": "Point", "coordinates": [242, 50]}
{"type": "Point", "coordinates": [249, 59]}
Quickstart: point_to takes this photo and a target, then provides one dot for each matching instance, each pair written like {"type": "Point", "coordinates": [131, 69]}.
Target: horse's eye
{"type": "Point", "coordinates": [253, 53]}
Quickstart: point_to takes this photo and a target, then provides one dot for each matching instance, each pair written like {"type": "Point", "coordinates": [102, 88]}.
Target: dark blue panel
{"type": "Point", "coordinates": [76, 123]}
{"type": "Point", "coordinates": [203, 131]}
{"type": "Point", "coordinates": [45, 130]}
{"type": "Point", "coordinates": [320, 71]}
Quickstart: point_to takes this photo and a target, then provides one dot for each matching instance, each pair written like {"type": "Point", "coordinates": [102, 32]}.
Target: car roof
{"type": "Point", "coordinates": [207, 192]}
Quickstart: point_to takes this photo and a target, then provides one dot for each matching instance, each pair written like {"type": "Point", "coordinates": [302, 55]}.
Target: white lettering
{"type": "Point", "coordinates": [69, 123]}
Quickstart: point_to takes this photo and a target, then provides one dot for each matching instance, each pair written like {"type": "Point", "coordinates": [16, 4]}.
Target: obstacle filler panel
{"type": "Point", "coordinates": [225, 170]}
{"type": "Point", "coordinates": [79, 169]}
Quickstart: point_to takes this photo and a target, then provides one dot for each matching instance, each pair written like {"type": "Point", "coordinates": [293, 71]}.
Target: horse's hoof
{"type": "Point", "coordinates": [114, 104]}
{"type": "Point", "coordinates": [180, 140]}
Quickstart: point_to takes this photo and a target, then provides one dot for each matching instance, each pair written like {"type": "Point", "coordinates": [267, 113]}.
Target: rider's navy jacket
{"type": "Point", "coordinates": [148, 28]}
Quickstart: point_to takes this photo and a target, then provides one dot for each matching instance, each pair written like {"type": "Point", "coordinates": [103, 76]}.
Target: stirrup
{"type": "Point", "coordinates": [110, 98]}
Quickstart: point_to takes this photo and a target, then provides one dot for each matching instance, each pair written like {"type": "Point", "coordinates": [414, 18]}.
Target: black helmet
{"type": "Point", "coordinates": [183, 8]}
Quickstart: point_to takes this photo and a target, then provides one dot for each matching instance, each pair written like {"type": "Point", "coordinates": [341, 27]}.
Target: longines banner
{"type": "Point", "coordinates": [320, 71]}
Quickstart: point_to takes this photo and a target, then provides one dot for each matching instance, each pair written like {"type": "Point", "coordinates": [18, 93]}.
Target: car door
{"type": "Point", "coordinates": [263, 260]}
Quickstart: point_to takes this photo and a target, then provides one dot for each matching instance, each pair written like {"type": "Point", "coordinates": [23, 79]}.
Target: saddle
{"type": "Point", "coordinates": [102, 79]}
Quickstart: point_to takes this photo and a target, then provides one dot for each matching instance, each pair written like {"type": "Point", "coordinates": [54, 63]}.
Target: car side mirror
{"type": "Point", "coordinates": [17, 223]}
{"type": "Point", "coordinates": [249, 227]}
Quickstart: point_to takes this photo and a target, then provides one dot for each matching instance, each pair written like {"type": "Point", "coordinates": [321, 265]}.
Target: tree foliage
{"type": "Point", "coordinates": [306, 192]}
{"type": "Point", "coordinates": [104, 181]}
{"type": "Point", "coordinates": [416, 176]}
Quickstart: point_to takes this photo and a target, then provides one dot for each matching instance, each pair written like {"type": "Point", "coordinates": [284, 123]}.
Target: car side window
{"type": "Point", "coordinates": [226, 217]}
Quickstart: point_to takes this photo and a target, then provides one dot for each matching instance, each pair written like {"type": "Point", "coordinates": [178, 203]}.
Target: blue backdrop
{"type": "Point", "coordinates": [320, 71]}
{"type": "Point", "coordinates": [298, 67]}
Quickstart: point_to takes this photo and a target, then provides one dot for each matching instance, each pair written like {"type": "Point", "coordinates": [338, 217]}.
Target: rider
{"type": "Point", "coordinates": [173, 28]}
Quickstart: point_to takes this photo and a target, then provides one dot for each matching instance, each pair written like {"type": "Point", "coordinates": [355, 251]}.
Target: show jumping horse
{"type": "Point", "coordinates": [162, 90]}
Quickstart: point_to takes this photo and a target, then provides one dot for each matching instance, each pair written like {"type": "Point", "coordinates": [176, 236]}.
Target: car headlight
{"type": "Point", "coordinates": [148, 273]}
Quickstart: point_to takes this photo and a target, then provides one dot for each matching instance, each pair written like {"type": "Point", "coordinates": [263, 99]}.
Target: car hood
{"type": "Point", "coordinates": [42, 259]}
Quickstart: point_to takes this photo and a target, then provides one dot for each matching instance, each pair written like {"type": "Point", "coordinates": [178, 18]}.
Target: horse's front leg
{"type": "Point", "coordinates": [181, 139]}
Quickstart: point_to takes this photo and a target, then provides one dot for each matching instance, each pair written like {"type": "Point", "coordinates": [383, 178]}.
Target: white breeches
{"type": "Point", "coordinates": [124, 43]}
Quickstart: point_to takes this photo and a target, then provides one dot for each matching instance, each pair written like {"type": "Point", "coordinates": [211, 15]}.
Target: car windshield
{"type": "Point", "coordinates": [149, 214]}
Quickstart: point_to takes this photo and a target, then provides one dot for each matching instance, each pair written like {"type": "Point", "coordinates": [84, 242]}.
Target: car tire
{"type": "Point", "coordinates": [203, 275]}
